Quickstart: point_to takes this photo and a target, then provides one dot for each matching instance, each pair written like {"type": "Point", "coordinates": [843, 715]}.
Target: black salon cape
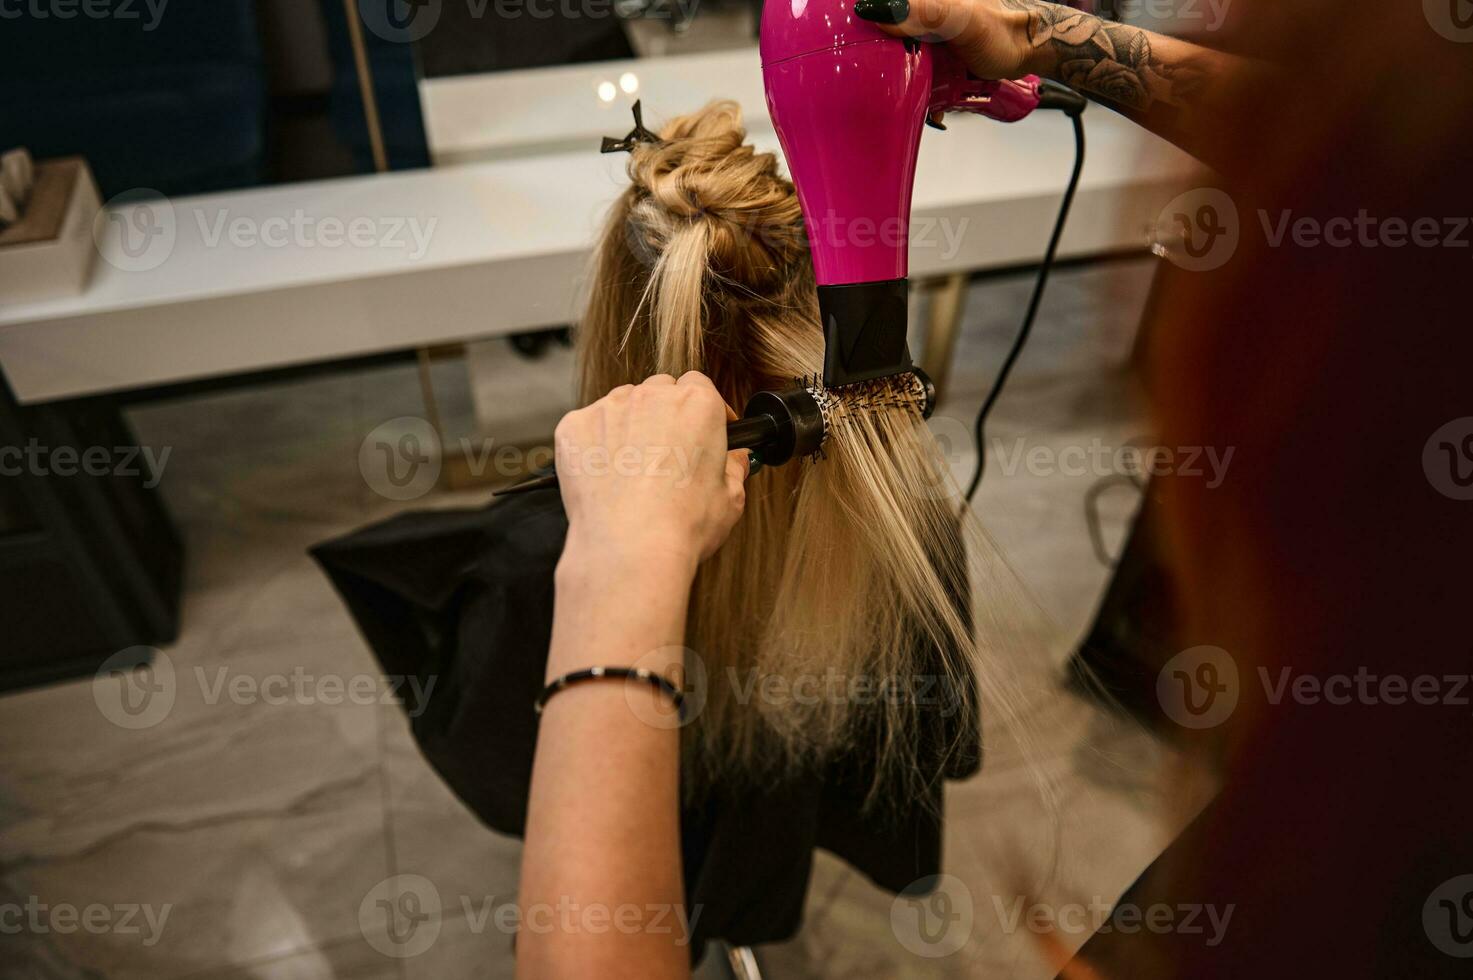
{"type": "Point", "coordinates": [466, 596]}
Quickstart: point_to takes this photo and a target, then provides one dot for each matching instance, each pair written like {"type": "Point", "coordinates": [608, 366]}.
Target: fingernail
{"type": "Point", "coordinates": [882, 11]}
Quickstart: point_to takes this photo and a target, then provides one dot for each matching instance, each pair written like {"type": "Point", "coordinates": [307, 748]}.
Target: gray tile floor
{"type": "Point", "coordinates": [267, 806]}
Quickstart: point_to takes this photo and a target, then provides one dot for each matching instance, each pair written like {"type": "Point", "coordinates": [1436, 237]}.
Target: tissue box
{"type": "Point", "coordinates": [48, 253]}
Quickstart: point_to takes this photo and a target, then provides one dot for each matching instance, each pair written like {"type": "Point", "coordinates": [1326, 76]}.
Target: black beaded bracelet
{"type": "Point", "coordinates": [651, 677]}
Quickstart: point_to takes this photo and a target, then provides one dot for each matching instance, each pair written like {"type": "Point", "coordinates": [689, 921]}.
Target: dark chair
{"type": "Point", "coordinates": [90, 563]}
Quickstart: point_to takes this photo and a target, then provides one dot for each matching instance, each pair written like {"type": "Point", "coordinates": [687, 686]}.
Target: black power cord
{"type": "Point", "coordinates": [1073, 104]}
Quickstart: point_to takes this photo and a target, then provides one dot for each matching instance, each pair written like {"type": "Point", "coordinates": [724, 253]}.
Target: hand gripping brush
{"type": "Point", "coordinates": [778, 426]}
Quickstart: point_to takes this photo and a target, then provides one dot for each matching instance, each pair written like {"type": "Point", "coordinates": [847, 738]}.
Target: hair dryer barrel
{"type": "Point", "coordinates": [848, 102]}
{"type": "Point", "coordinates": [849, 120]}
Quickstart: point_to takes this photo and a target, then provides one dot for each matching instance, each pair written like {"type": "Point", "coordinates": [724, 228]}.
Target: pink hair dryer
{"type": "Point", "coordinates": [849, 102]}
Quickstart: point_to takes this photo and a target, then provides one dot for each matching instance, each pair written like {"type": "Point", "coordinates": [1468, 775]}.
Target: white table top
{"type": "Point", "coordinates": [504, 243]}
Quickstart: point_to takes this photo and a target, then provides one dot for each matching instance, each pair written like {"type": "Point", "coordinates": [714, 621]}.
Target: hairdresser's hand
{"type": "Point", "coordinates": [646, 478]}
{"type": "Point", "coordinates": [990, 35]}
{"type": "Point", "coordinates": [1176, 89]}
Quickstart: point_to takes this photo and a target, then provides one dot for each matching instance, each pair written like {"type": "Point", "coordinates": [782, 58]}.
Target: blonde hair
{"type": "Point", "coordinates": [849, 567]}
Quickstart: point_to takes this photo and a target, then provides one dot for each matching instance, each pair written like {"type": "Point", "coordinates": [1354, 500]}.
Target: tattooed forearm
{"type": "Point", "coordinates": [1177, 89]}
{"type": "Point", "coordinates": [1108, 60]}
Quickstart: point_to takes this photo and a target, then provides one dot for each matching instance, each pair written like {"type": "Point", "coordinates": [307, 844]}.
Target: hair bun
{"type": "Point", "coordinates": [704, 174]}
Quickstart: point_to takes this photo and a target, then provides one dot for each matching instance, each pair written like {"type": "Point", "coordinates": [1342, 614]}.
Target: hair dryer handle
{"type": "Point", "coordinates": [955, 89]}
{"type": "Point", "coordinates": [1006, 100]}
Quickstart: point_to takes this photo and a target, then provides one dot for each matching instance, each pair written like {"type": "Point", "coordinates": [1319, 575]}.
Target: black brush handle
{"type": "Point", "coordinates": [748, 433]}
{"type": "Point", "coordinates": [751, 433]}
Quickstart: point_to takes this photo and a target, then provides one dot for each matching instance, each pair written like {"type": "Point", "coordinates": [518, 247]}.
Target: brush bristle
{"type": "Point", "coordinates": [841, 405]}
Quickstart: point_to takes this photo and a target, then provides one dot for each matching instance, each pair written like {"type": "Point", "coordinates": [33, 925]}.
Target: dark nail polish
{"type": "Point", "coordinates": [882, 11]}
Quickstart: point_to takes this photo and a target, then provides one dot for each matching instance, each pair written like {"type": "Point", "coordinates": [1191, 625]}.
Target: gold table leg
{"type": "Point", "coordinates": [465, 464]}
{"type": "Point", "coordinates": [947, 297]}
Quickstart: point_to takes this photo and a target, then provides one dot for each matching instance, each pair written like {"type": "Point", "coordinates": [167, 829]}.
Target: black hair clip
{"type": "Point", "coordinates": [636, 135]}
